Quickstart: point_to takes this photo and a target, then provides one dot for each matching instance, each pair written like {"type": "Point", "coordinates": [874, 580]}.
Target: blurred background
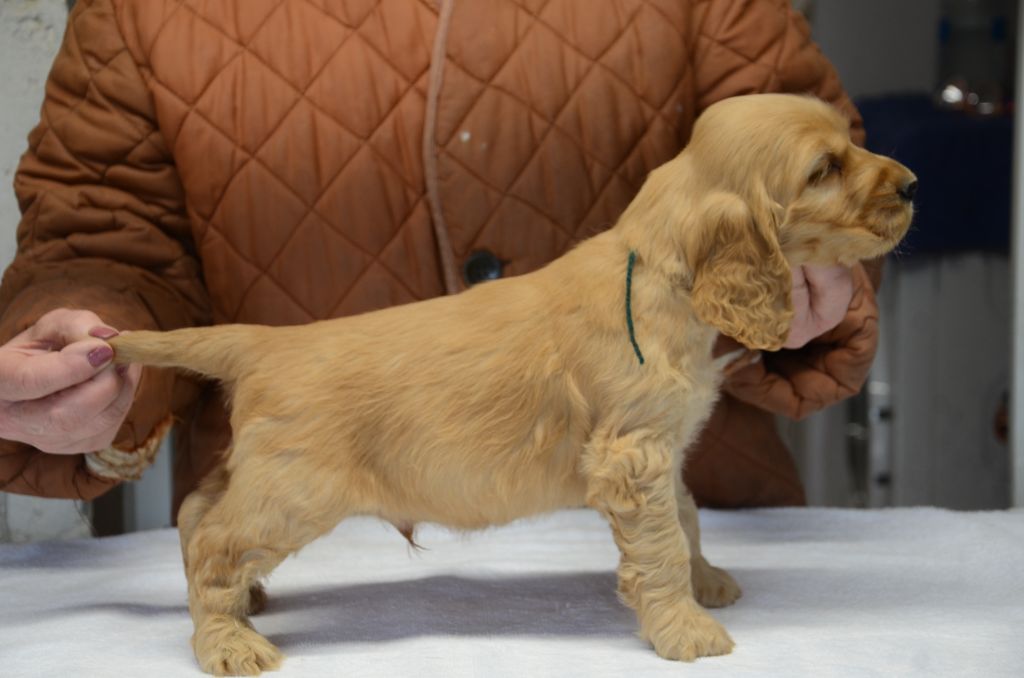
{"type": "Point", "coordinates": [934, 81]}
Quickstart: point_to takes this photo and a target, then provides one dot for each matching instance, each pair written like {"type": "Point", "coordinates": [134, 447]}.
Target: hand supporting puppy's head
{"type": "Point", "coordinates": [768, 182]}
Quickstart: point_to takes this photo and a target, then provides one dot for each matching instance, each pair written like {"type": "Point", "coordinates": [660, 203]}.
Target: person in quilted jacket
{"type": "Point", "coordinates": [284, 161]}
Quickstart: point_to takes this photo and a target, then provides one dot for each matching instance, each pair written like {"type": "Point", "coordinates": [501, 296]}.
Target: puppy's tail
{"type": "Point", "coordinates": [221, 352]}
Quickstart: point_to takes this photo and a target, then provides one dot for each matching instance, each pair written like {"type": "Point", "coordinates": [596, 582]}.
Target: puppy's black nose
{"type": "Point", "coordinates": [908, 191]}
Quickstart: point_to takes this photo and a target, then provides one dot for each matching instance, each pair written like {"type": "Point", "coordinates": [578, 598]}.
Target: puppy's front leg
{"type": "Point", "coordinates": [712, 586]}
{"type": "Point", "coordinates": [630, 480]}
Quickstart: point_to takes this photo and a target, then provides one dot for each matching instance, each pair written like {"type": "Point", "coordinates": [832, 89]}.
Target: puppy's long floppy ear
{"type": "Point", "coordinates": [741, 280]}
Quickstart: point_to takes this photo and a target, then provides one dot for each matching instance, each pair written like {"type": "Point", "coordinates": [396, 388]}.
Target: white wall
{"type": "Point", "coordinates": [947, 323]}
{"type": "Point", "coordinates": [880, 46]}
{"type": "Point", "coordinates": [30, 33]}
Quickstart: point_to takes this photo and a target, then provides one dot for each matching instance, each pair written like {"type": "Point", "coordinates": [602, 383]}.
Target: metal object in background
{"type": "Point", "coordinates": [975, 55]}
{"type": "Point", "coordinates": [858, 459]}
{"type": "Point", "coordinates": [5, 532]}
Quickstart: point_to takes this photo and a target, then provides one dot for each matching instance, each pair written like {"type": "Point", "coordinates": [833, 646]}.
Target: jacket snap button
{"type": "Point", "coordinates": [479, 266]}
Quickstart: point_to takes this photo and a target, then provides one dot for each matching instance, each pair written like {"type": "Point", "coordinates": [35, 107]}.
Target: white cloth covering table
{"type": "Point", "coordinates": [902, 592]}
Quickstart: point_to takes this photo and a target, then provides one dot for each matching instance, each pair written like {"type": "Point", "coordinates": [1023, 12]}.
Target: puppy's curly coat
{"type": "Point", "coordinates": [524, 395]}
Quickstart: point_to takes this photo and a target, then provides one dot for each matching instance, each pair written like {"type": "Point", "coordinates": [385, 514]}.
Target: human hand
{"type": "Point", "coordinates": [821, 296]}
{"type": "Point", "coordinates": [59, 391]}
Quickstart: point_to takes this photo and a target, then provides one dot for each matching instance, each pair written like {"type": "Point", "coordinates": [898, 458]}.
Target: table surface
{"type": "Point", "coordinates": [900, 592]}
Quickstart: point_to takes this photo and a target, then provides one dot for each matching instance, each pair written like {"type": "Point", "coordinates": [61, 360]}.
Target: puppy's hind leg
{"type": "Point", "coordinates": [712, 586]}
{"type": "Point", "coordinates": [629, 479]}
{"type": "Point", "coordinates": [195, 506]}
{"type": "Point", "coordinates": [256, 523]}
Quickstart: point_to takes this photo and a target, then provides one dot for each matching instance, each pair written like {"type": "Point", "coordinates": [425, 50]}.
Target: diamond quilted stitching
{"type": "Point", "coordinates": [460, 93]}
{"type": "Point", "coordinates": [422, 84]}
{"type": "Point", "coordinates": [319, 265]}
{"type": "Point", "coordinates": [89, 140]}
{"type": "Point", "coordinates": [678, 112]}
{"type": "Point", "coordinates": [657, 146]}
{"type": "Point", "coordinates": [459, 231]}
{"type": "Point", "coordinates": [367, 192]}
{"type": "Point", "coordinates": [94, 55]}
{"type": "Point", "coordinates": [604, 117]}
{"type": "Point", "coordinates": [485, 35]}
{"type": "Point", "coordinates": [723, 14]}
{"type": "Point", "coordinates": [753, 43]}
{"type": "Point", "coordinates": [349, 12]}
{"type": "Point", "coordinates": [172, 111]}
{"type": "Point", "coordinates": [247, 101]}
{"type": "Point", "coordinates": [652, 78]}
{"type": "Point", "coordinates": [404, 255]}
{"type": "Point", "coordinates": [558, 162]}
{"type": "Point", "coordinates": [499, 157]}
{"type": "Point", "coordinates": [147, 21]}
{"type": "Point", "coordinates": [298, 150]}
{"type": "Point", "coordinates": [520, 234]}
{"type": "Point", "coordinates": [592, 38]}
{"type": "Point", "coordinates": [405, 33]}
{"type": "Point", "coordinates": [303, 23]}
{"type": "Point", "coordinates": [267, 303]}
{"type": "Point", "coordinates": [672, 11]}
{"type": "Point", "coordinates": [804, 69]}
{"type": "Point", "coordinates": [606, 210]}
{"type": "Point", "coordinates": [375, 289]}
{"type": "Point", "coordinates": [275, 212]}
{"type": "Point", "coordinates": [237, 20]}
{"type": "Point", "coordinates": [532, 6]}
{"type": "Point", "coordinates": [208, 160]}
{"type": "Point", "coordinates": [210, 51]}
{"type": "Point", "coordinates": [472, 202]}
{"type": "Point", "coordinates": [124, 100]}
{"type": "Point", "coordinates": [547, 90]}
{"type": "Point", "coordinates": [398, 140]}
{"type": "Point", "coordinates": [726, 73]}
{"type": "Point", "coordinates": [357, 87]}
{"type": "Point", "coordinates": [226, 272]}
{"type": "Point", "coordinates": [677, 67]}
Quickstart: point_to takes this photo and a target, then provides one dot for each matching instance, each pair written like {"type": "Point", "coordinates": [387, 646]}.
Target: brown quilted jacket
{"type": "Point", "coordinates": [282, 161]}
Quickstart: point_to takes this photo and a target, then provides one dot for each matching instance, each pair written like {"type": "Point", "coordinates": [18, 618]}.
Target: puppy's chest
{"type": "Point", "coordinates": [682, 400]}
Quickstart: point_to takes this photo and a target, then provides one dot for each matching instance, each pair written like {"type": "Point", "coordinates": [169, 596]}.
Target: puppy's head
{"type": "Point", "coordinates": [774, 181]}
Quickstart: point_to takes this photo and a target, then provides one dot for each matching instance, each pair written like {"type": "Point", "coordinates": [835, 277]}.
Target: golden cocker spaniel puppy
{"type": "Point", "coordinates": [580, 384]}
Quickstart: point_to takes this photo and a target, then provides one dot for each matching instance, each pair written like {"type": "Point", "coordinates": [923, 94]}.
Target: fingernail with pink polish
{"type": "Point", "coordinates": [122, 371]}
{"type": "Point", "coordinates": [101, 332]}
{"type": "Point", "coordinates": [100, 355]}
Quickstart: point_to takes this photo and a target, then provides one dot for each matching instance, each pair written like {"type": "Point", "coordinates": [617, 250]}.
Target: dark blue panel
{"type": "Point", "coordinates": [964, 164]}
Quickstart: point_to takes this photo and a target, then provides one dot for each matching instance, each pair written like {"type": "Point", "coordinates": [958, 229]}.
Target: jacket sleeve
{"type": "Point", "coordinates": [103, 228]}
{"type": "Point", "coordinates": [750, 46]}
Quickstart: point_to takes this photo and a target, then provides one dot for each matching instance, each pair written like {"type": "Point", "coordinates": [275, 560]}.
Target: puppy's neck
{"type": "Point", "coordinates": [653, 231]}
{"type": "Point", "coordinates": [655, 223]}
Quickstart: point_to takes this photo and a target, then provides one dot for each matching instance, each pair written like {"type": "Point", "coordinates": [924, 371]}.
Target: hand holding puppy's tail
{"type": "Point", "coordinates": [220, 352]}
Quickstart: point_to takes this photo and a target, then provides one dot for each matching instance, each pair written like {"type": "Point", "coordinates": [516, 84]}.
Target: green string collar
{"type": "Point", "coordinates": [629, 306]}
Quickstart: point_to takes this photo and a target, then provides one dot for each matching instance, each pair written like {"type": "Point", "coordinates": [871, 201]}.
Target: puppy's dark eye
{"type": "Point", "coordinates": [831, 168]}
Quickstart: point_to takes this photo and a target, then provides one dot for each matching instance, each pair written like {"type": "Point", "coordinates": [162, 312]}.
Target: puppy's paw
{"type": "Point", "coordinates": [257, 599]}
{"type": "Point", "coordinates": [693, 633]}
{"type": "Point", "coordinates": [713, 586]}
{"type": "Point", "coordinates": [226, 646]}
